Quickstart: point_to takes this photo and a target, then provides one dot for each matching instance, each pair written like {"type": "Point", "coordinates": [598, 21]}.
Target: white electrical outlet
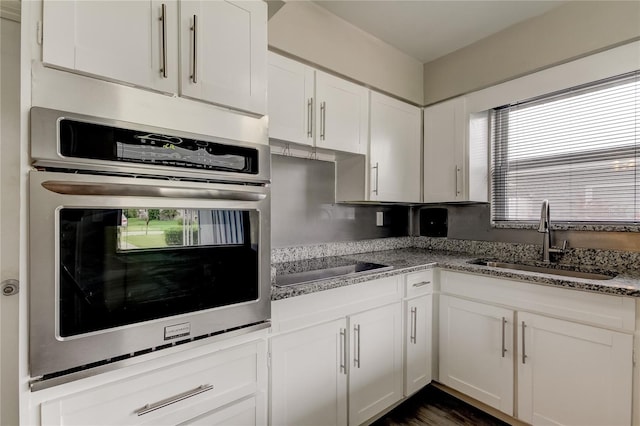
{"type": "Point", "coordinates": [379, 218]}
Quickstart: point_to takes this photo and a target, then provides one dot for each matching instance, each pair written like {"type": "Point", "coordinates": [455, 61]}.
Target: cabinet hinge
{"type": "Point", "coordinates": [39, 32]}
{"type": "Point", "coordinates": [268, 359]}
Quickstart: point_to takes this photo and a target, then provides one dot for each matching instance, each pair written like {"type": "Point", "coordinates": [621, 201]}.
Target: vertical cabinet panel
{"type": "Point", "coordinates": [418, 325]}
{"type": "Point", "coordinates": [291, 100]}
{"type": "Point", "coordinates": [375, 375]}
{"type": "Point", "coordinates": [341, 114]}
{"type": "Point", "coordinates": [572, 374]}
{"type": "Point", "coordinates": [308, 385]}
{"type": "Point", "coordinates": [123, 41]}
{"type": "Point", "coordinates": [476, 355]}
{"type": "Point", "coordinates": [394, 150]}
{"type": "Point", "coordinates": [224, 56]}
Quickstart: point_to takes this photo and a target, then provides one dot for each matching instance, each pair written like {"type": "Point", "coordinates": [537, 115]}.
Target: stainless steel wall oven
{"type": "Point", "coordinates": [141, 237]}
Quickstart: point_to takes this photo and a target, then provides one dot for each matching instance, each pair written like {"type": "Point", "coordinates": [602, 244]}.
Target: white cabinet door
{"type": "Point", "coordinates": [309, 377]}
{"type": "Point", "coordinates": [290, 100]}
{"type": "Point", "coordinates": [223, 53]}
{"type": "Point", "coordinates": [375, 374]}
{"type": "Point", "coordinates": [572, 374]}
{"type": "Point", "coordinates": [394, 150]}
{"type": "Point", "coordinates": [476, 351]}
{"type": "Point", "coordinates": [124, 41]}
{"type": "Point", "coordinates": [444, 153]}
{"type": "Point", "coordinates": [418, 320]}
{"type": "Point", "coordinates": [341, 114]}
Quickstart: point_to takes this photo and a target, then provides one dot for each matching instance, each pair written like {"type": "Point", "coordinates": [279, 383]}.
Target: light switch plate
{"type": "Point", "coordinates": [379, 218]}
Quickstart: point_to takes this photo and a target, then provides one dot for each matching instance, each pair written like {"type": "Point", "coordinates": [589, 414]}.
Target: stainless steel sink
{"type": "Point", "coordinates": [356, 268]}
{"type": "Point", "coordinates": [566, 271]}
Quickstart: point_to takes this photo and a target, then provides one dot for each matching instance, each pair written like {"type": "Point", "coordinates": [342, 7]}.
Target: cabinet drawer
{"type": "Point", "coordinates": [174, 394]}
{"type": "Point", "coordinates": [419, 283]}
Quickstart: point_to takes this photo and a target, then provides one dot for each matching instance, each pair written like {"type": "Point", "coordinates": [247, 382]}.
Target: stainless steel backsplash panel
{"type": "Point", "coordinates": [303, 208]}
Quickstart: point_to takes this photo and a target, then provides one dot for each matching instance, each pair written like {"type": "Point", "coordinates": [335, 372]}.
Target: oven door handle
{"type": "Point", "coordinates": [128, 190]}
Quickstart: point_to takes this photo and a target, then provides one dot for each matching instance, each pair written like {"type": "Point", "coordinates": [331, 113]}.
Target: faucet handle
{"type": "Point", "coordinates": [559, 250]}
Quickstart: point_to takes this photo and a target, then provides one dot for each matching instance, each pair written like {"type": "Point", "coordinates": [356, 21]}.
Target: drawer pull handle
{"type": "Point", "coordinates": [421, 283]}
{"type": "Point", "coordinates": [172, 400]}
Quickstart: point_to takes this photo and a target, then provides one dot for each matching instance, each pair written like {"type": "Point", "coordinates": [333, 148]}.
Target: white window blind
{"type": "Point", "coordinates": [578, 148]}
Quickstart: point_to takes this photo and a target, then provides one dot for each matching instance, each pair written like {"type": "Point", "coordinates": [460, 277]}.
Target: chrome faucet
{"type": "Point", "coordinates": [544, 228]}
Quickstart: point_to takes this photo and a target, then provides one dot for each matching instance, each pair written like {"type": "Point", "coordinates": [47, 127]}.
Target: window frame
{"type": "Point", "coordinates": [499, 168]}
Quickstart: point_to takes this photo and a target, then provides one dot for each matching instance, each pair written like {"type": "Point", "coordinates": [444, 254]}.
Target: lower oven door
{"type": "Point", "coordinates": [121, 265]}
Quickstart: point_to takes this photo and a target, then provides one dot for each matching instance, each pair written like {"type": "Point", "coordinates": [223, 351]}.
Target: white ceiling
{"type": "Point", "coordinates": [428, 29]}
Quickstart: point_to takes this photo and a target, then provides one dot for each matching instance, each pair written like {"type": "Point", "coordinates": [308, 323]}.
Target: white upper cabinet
{"type": "Point", "coordinates": [223, 53]}
{"type": "Point", "coordinates": [341, 114]}
{"type": "Point", "coordinates": [394, 150]}
{"type": "Point", "coordinates": [444, 136]}
{"type": "Point", "coordinates": [455, 153]}
{"type": "Point", "coordinates": [134, 42]}
{"type": "Point", "coordinates": [137, 43]}
{"type": "Point", "coordinates": [291, 100]}
{"type": "Point", "coordinates": [310, 107]}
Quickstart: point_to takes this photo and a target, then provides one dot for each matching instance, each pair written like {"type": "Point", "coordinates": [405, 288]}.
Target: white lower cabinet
{"type": "Point", "coordinates": [225, 387]}
{"type": "Point", "coordinates": [418, 330]}
{"type": "Point", "coordinates": [345, 365]}
{"type": "Point", "coordinates": [573, 371]}
{"type": "Point", "coordinates": [572, 374]}
{"type": "Point", "coordinates": [476, 356]}
{"type": "Point", "coordinates": [309, 377]}
{"type": "Point", "coordinates": [375, 374]}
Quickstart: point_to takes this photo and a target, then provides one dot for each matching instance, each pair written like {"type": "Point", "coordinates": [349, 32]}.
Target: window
{"type": "Point", "coordinates": [578, 148]}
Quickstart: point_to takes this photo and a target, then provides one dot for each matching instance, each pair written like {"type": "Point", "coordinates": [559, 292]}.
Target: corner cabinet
{"type": "Point", "coordinates": [476, 356]}
{"type": "Point", "coordinates": [455, 153]}
{"type": "Point", "coordinates": [394, 150]}
{"type": "Point", "coordinates": [570, 352]}
{"type": "Point", "coordinates": [310, 107]}
{"type": "Point", "coordinates": [221, 59]}
{"type": "Point", "coordinates": [391, 170]}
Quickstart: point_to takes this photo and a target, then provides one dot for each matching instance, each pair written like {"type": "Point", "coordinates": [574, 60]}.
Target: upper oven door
{"type": "Point", "coordinates": [118, 265]}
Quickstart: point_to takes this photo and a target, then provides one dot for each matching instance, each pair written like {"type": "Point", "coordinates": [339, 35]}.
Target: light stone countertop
{"type": "Point", "coordinates": [405, 260]}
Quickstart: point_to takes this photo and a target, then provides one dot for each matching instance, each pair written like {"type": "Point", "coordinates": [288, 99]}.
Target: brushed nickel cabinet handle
{"type": "Point", "coordinates": [524, 355]}
{"type": "Point", "coordinates": [376, 167]}
{"type": "Point", "coordinates": [356, 358]}
{"type": "Point", "coordinates": [310, 118]}
{"type": "Point", "coordinates": [194, 33]}
{"type": "Point", "coordinates": [163, 18]}
{"type": "Point", "coordinates": [172, 400]}
{"type": "Point", "coordinates": [421, 284]}
{"type": "Point", "coordinates": [458, 181]}
{"type": "Point", "coordinates": [343, 350]}
{"type": "Point", "coordinates": [323, 122]}
{"type": "Point", "coordinates": [504, 349]}
{"type": "Point", "coordinates": [414, 325]}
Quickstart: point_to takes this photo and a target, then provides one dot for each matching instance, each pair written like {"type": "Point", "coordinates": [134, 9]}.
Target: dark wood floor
{"type": "Point", "coordinates": [431, 406]}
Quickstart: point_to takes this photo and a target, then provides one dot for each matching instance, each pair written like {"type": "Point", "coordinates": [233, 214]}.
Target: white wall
{"type": "Point", "coordinates": [309, 32]}
{"type": "Point", "coordinates": [9, 214]}
{"type": "Point", "coordinates": [573, 30]}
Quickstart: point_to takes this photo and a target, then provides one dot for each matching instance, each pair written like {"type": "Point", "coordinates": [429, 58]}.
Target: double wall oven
{"type": "Point", "coordinates": [141, 238]}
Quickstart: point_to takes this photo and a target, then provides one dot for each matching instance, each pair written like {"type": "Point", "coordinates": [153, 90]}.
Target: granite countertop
{"type": "Point", "coordinates": [404, 260]}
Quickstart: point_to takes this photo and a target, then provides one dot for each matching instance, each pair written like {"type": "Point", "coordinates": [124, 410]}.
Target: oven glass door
{"type": "Point", "coordinates": [128, 265]}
